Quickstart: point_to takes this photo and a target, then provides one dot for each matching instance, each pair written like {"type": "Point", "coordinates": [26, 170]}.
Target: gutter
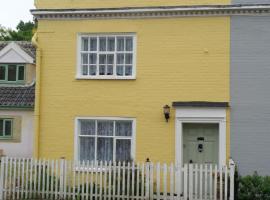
{"type": "Point", "coordinates": [37, 97]}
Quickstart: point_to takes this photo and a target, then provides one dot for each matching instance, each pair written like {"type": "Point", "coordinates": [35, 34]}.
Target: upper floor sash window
{"type": "Point", "coordinates": [107, 56]}
{"type": "Point", "coordinates": [12, 73]}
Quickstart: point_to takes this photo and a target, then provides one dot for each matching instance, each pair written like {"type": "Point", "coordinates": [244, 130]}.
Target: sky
{"type": "Point", "coordinates": [12, 11]}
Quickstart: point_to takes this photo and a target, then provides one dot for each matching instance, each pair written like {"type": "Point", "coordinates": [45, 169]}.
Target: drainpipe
{"type": "Point", "coordinates": [37, 97]}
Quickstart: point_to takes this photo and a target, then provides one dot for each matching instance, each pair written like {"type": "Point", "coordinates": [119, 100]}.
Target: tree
{"type": "Point", "coordinates": [4, 34]}
{"type": "Point", "coordinates": [24, 32]}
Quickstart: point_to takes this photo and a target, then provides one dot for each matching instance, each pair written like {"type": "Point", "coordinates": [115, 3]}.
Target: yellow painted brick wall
{"type": "Point", "coordinates": [121, 3]}
{"type": "Point", "coordinates": [181, 59]}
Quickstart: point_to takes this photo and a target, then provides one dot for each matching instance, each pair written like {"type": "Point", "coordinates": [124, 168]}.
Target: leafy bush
{"type": "Point", "coordinates": [254, 187]}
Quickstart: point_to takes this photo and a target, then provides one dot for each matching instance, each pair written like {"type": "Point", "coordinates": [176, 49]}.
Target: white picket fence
{"type": "Point", "coordinates": [62, 179]}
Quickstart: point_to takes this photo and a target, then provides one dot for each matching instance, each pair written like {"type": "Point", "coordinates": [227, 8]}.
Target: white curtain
{"type": "Point", "coordinates": [129, 44]}
{"type": "Point", "coordinates": [105, 149]}
{"type": "Point", "coordinates": [123, 128]}
{"type": "Point", "coordinates": [88, 127]}
{"type": "Point", "coordinates": [123, 150]}
{"type": "Point", "coordinates": [87, 148]}
{"type": "Point", "coordinates": [105, 144]}
{"type": "Point", "coordinates": [105, 128]}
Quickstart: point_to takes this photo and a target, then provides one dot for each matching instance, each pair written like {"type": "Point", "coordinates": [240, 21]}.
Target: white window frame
{"type": "Point", "coordinates": [77, 135]}
{"type": "Point", "coordinates": [97, 76]}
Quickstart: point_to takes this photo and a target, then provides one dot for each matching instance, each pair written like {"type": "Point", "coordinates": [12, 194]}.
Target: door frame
{"type": "Point", "coordinates": [200, 115]}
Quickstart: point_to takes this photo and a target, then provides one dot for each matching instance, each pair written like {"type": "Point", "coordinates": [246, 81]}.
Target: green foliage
{"type": "Point", "coordinates": [24, 32]}
{"type": "Point", "coordinates": [254, 187]}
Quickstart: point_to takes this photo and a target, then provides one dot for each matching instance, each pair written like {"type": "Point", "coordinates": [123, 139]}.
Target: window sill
{"type": "Point", "coordinates": [6, 138]}
{"type": "Point", "coordinates": [105, 78]}
{"type": "Point", "coordinates": [12, 82]}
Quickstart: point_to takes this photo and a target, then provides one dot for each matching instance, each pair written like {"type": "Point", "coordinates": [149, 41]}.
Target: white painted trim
{"type": "Point", "coordinates": [200, 115]}
{"type": "Point", "coordinates": [106, 77]}
{"type": "Point", "coordinates": [20, 52]}
{"type": "Point", "coordinates": [133, 138]}
{"type": "Point", "coordinates": [153, 12]}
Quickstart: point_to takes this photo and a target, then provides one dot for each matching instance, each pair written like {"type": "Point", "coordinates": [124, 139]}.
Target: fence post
{"type": "Point", "coordinates": [62, 176]}
{"type": "Point", "coordinates": [179, 183]}
{"type": "Point", "coordinates": [232, 171]}
{"type": "Point", "coordinates": [2, 177]}
{"type": "Point", "coordinates": [147, 181]}
{"type": "Point", "coordinates": [185, 182]}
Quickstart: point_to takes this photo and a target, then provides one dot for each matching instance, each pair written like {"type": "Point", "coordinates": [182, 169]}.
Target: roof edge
{"type": "Point", "coordinates": [153, 12]}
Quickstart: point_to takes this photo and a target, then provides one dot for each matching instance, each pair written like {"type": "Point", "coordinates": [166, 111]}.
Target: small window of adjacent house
{"type": "Point", "coordinates": [5, 128]}
{"type": "Point", "coordinates": [2, 73]}
{"type": "Point", "coordinates": [107, 56]}
{"type": "Point", "coordinates": [12, 73]}
{"type": "Point", "coordinates": [20, 73]}
{"type": "Point", "coordinates": [105, 140]}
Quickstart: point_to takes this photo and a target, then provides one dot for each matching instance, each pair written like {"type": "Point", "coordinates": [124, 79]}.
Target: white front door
{"type": "Point", "coordinates": [200, 143]}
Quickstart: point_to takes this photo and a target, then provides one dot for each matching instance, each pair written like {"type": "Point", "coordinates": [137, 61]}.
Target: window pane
{"type": "Point", "coordinates": [120, 70]}
{"type": "Point", "coordinates": [129, 44]}
{"type": "Point", "coordinates": [110, 59]}
{"type": "Point", "coordinates": [84, 58]}
{"type": "Point", "coordinates": [2, 72]}
{"type": "Point", "coordinates": [128, 70]}
{"type": "Point", "coordinates": [1, 127]}
{"type": "Point", "coordinates": [102, 44]}
{"type": "Point", "coordinates": [128, 58]}
{"type": "Point", "coordinates": [21, 73]}
{"type": "Point", "coordinates": [111, 44]}
{"type": "Point", "coordinates": [120, 44]}
{"type": "Point", "coordinates": [102, 59]}
{"type": "Point", "coordinates": [123, 150]}
{"type": "Point", "coordinates": [93, 58]}
{"type": "Point", "coordinates": [123, 128]}
{"type": "Point", "coordinates": [120, 58]}
{"type": "Point", "coordinates": [102, 70]}
{"type": "Point", "coordinates": [85, 70]}
{"type": "Point", "coordinates": [105, 149]}
{"type": "Point", "coordinates": [93, 44]}
{"type": "Point", "coordinates": [85, 44]}
{"type": "Point", "coordinates": [87, 148]}
{"type": "Point", "coordinates": [93, 70]}
{"type": "Point", "coordinates": [88, 127]}
{"type": "Point", "coordinates": [110, 70]}
{"type": "Point", "coordinates": [105, 128]}
{"type": "Point", "coordinates": [8, 128]}
{"type": "Point", "coordinates": [12, 72]}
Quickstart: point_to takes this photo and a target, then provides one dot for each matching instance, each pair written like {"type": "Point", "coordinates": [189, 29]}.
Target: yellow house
{"type": "Point", "coordinates": [107, 69]}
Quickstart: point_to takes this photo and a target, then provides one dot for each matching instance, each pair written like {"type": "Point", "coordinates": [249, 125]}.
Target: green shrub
{"type": "Point", "coordinates": [254, 187]}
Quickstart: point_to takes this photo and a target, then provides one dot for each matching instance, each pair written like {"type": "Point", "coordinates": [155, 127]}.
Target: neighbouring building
{"type": "Point", "coordinates": [17, 95]}
{"type": "Point", "coordinates": [108, 69]}
{"type": "Point", "coordinates": [250, 81]}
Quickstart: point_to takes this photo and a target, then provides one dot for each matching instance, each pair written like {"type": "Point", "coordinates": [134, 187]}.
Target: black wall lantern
{"type": "Point", "coordinates": [166, 110]}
